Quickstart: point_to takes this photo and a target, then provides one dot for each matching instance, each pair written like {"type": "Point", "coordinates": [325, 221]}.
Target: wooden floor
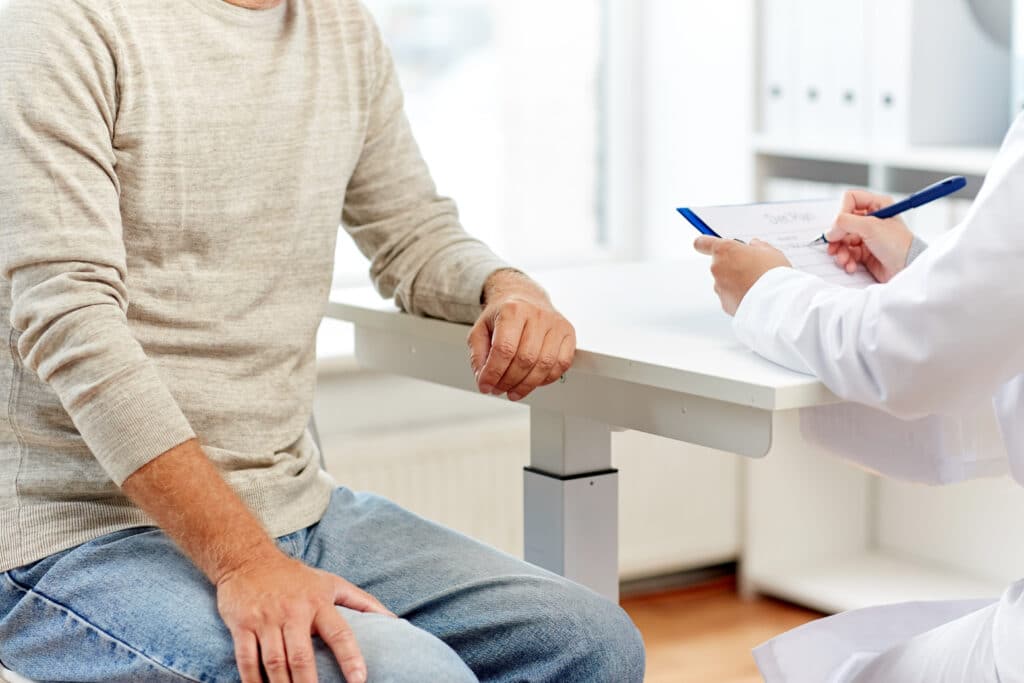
{"type": "Point", "coordinates": [705, 634]}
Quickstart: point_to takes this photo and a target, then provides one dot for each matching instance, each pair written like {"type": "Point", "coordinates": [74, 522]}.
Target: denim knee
{"type": "Point", "coordinates": [613, 649]}
{"type": "Point", "coordinates": [574, 635]}
{"type": "Point", "coordinates": [397, 652]}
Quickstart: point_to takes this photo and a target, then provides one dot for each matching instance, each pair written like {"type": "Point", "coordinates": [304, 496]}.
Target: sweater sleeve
{"type": "Point", "coordinates": [917, 247]}
{"type": "Point", "coordinates": [939, 338]}
{"type": "Point", "coordinates": [419, 252]}
{"type": "Point", "coordinates": [61, 245]}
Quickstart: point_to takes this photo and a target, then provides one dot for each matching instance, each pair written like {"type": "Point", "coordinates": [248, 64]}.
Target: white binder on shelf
{"type": "Point", "coordinates": [847, 106]}
{"type": "Point", "coordinates": [889, 69]}
{"type": "Point", "coordinates": [936, 77]}
{"type": "Point", "coordinates": [778, 80]}
{"type": "Point", "coordinates": [816, 85]}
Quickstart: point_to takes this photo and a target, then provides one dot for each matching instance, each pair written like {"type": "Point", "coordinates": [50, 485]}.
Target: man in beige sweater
{"type": "Point", "coordinates": [172, 178]}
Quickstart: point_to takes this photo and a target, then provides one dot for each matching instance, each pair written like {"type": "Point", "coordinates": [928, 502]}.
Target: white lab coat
{"type": "Point", "coordinates": [941, 339]}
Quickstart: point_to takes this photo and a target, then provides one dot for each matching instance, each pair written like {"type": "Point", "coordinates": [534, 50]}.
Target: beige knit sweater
{"type": "Point", "coordinates": [172, 177]}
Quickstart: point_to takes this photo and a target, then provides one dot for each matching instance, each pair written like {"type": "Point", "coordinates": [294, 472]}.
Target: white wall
{"type": "Point", "coordinates": [697, 114]}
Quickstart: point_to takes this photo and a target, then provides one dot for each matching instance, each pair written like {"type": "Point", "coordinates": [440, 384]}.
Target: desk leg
{"type": "Point", "coordinates": [571, 501]}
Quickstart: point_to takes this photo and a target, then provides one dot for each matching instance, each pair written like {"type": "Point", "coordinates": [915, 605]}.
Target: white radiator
{"type": "Point", "coordinates": [464, 476]}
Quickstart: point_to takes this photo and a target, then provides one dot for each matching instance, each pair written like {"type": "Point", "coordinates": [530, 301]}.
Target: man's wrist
{"type": "Point", "coordinates": [242, 562]}
{"type": "Point", "coordinates": [508, 282]}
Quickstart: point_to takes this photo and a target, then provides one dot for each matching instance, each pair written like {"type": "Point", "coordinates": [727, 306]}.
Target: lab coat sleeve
{"type": "Point", "coordinates": [938, 339]}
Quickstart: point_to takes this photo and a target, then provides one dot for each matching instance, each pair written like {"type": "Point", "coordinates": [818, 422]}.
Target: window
{"type": "Point", "coordinates": [505, 101]}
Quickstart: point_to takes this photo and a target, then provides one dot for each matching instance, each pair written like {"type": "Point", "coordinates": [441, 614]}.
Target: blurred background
{"type": "Point", "coordinates": [568, 132]}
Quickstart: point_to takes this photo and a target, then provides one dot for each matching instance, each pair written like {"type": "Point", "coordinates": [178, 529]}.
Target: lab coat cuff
{"type": "Point", "coordinates": [756, 306]}
{"type": "Point", "coordinates": [762, 307]}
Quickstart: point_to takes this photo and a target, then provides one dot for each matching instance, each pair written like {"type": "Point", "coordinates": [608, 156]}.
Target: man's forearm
{"type": "Point", "coordinates": [186, 496]}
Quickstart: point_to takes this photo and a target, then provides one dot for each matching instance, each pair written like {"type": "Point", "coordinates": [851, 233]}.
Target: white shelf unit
{"type": "Point", "coordinates": [969, 161]}
{"type": "Point", "coordinates": [869, 578]}
{"type": "Point", "coordinates": [899, 171]}
{"type": "Point", "coordinates": [816, 533]}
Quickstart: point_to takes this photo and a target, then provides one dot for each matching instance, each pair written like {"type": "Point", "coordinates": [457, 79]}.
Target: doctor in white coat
{"type": "Point", "coordinates": [942, 333]}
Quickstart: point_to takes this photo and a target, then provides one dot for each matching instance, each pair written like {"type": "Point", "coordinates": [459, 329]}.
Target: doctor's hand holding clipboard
{"type": "Point", "coordinates": [737, 267]}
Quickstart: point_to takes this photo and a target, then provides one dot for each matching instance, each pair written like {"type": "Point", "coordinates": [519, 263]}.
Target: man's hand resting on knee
{"type": "Point", "coordinates": [270, 602]}
{"type": "Point", "coordinates": [520, 341]}
{"type": "Point", "coordinates": [273, 604]}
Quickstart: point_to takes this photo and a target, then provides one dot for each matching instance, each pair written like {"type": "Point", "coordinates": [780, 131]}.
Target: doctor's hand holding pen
{"type": "Point", "coordinates": [882, 245]}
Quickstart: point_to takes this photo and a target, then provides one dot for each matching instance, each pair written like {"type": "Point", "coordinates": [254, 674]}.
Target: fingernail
{"type": "Point", "coordinates": [514, 397]}
{"type": "Point", "coordinates": [357, 677]}
{"type": "Point", "coordinates": [486, 389]}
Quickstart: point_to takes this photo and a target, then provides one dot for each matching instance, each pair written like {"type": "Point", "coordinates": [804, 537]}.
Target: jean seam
{"type": "Point", "coordinates": [32, 592]}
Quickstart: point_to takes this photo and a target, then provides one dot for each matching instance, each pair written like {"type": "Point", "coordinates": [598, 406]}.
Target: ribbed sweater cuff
{"type": "Point", "coordinates": [466, 307]}
{"type": "Point", "coordinates": [132, 423]}
{"type": "Point", "coordinates": [917, 247]}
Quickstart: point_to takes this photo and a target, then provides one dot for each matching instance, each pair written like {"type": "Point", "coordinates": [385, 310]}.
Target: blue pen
{"type": "Point", "coordinates": [941, 189]}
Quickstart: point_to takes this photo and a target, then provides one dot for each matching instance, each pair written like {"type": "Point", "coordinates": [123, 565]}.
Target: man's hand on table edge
{"type": "Point", "coordinates": [736, 267]}
{"type": "Point", "coordinates": [520, 342]}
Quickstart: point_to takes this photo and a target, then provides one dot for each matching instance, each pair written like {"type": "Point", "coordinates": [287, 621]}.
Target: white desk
{"type": "Point", "coordinates": [656, 354]}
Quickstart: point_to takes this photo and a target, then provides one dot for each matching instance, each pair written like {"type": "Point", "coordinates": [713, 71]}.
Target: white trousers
{"type": "Point", "coordinates": [943, 642]}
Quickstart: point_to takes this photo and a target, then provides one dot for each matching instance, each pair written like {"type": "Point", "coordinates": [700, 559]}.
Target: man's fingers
{"type": "Point", "coordinates": [705, 244]}
{"type": "Point", "coordinates": [247, 656]}
{"type": "Point", "coordinates": [479, 342]}
{"type": "Point", "coordinates": [566, 355]}
{"type": "Point", "coordinates": [504, 345]}
{"type": "Point", "coordinates": [355, 598]}
{"type": "Point", "coordinates": [546, 362]}
{"type": "Point", "coordinates": [275, 661]}
{"type": "Point", "coordinates": [338, 636]}
{"type": "Point", "coordinates": [526, 356]}
{"type": "Point", "coordinates": [298, 646]}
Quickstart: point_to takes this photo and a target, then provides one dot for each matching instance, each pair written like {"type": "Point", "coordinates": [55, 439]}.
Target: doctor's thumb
{"type": "Point", "coordinates": [851, 224]}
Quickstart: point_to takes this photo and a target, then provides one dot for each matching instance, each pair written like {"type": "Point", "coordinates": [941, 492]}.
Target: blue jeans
{"type": "Point", "coordinates": [131, 607]}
